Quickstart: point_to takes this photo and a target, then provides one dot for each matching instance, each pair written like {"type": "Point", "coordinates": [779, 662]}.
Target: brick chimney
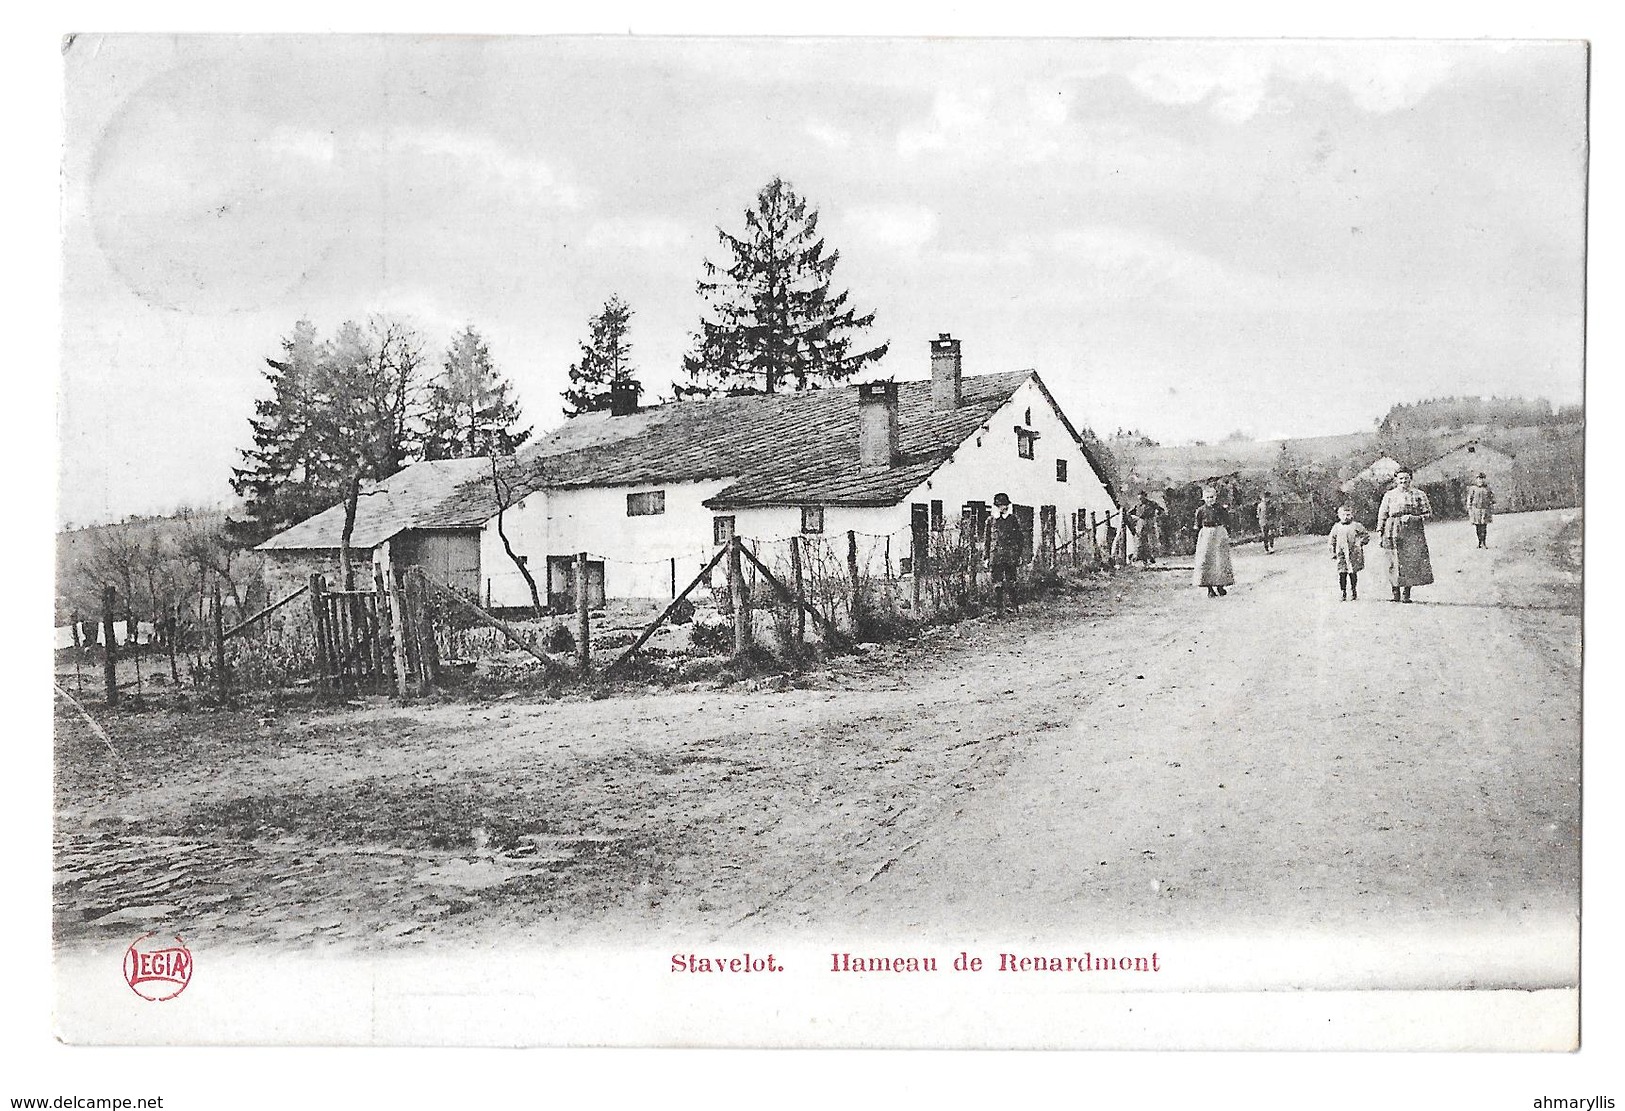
{"type": "Point", "coordinates": [877, 425]}
{"type": "Point", "coordinates": [623, 398]}
{"type": "Point", "coordinates": [945, 369]}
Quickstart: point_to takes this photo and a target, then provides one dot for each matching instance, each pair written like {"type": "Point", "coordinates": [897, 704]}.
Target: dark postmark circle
{"type": "Point", "coordinates": [157, 968]}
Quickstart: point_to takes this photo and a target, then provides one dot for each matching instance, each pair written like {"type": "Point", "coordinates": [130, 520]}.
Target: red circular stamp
{"type": "Point", "coordinates": [155, 969]}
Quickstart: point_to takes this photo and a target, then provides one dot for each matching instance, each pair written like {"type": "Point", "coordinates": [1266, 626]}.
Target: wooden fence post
{"type": "Point", "coordinates": [741, 597]}
{"type": "Point", "coordinates": [919, 555]}
{"type": "Point", "coordinates": [222, 683]}
{"type": "Point", "coordinates": [395, 598]}
{"type": "Point", "coordinates": [855, 603]}
{"type": "Point", "coordinates": [674, 577]}
{"type": "Point", "coordinates": [423, 620]}
{"type": "Point", "coordinates": [801, 595]}
{"type": "Point", "coordinates": [172, 627]}
{"type": "Point", "coordinates": [973, 559]}
{"type": "Point", "coordinates": [109, 651]}
{"type": "Point", "coordinates": [318, 613]}
{"type": "Point", "coordinates": [583, 617]}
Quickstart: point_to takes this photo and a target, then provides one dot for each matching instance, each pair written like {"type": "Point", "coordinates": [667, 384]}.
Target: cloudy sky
{"type": "Point", "coordinates": [1186, 237]}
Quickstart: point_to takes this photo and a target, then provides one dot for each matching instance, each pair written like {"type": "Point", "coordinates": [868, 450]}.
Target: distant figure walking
{"type": "Point", "coordinates": [1213, 567]}
{"type": "Point", "coordinates": [1348, 540]}
{"type": "Point", "coordinates": [1269, 521]}
{"type": "Point", "coordinates": [1144, 516]}
{"type": "Point", "coordinates": [1481, 507]}
{"type": "Point", "coordinates": [1001, 542]}
{"type": "Point", "coordinates": [1400, 521]}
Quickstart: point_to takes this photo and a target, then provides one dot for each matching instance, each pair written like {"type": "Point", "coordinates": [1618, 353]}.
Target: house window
{"type": "Point", "coordinates": [812, 518]}
{"type": "Point", "coordinates": [1025, 441]}
{"type": "Point", "coordinates": [1027, 417]}
{"type": "Point", "coordinates": [1060, 470]}
{"type": "Point", "coordinates": [722, 530]}
{"type": "Point", "coordinates": [647, 504]}
{"type": "Point", "coordinates": [936, 516]}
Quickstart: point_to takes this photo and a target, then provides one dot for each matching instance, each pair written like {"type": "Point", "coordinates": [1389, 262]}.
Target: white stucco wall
{"type": "Point", "coordinates": [988, 462]}
{"type": "Point", "coordinates": [637, 551]}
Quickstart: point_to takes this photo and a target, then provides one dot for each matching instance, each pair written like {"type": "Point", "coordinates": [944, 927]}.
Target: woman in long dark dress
{"type": "Point", "coordinates": [1213, 567]}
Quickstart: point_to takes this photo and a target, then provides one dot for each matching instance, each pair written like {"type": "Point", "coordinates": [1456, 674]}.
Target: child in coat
{"type": "Point", "coordinates": [1348, 540]}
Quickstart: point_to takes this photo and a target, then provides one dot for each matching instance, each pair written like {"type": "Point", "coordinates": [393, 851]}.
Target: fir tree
{"type": "Point", "coordinates": [605, 363]}
{"type": "Point", "coordinates": [471, 408]}
{"type": "Point", "coordinates": [276, 480]}
{"type": "Point", "coordinates": [772, 321]}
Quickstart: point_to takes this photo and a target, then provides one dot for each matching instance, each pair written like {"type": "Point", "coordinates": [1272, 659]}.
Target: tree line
{"type": "Point", "coordinates": [357, 406]}
{"type": "Point", "coordinates": [1441, 413]}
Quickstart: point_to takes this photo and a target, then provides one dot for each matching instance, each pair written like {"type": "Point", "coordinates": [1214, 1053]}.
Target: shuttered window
{"type": "Point", "coordinates": [647, 504]}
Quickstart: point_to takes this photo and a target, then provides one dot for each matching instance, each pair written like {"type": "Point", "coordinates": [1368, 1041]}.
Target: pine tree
{"type": "Point", "coordinates": [471, 408]}
{"type": "Point", "coordinates": [276, 480]}
{"type": "Point", "coordinates": [606, 361]}
{"type": "Point", "coordinates": [772, 320]}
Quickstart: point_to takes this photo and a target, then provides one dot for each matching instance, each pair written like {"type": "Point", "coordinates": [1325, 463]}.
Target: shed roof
{"type": "Point", "coordinates": [401, 501]}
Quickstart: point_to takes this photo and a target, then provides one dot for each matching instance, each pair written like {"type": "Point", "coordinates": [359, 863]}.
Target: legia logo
{"type": "Point", "coordinates": [157, 968]}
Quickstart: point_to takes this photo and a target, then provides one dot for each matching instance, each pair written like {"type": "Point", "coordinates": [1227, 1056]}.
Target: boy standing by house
{"type": "Point", "coordinates": [1001, 543]}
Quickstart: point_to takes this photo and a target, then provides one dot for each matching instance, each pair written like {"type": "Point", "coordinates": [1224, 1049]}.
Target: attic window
{"type": "Point", "coordinates": [812, 518]}
{"type": "Point", "coordinates": [1027, 417]}
{"type": "Point", "coordinates": [647, 504]}
{"type": "Point", "coordinates": [1025, 439]}
{"type": "Point", "coordinates": [1060, 470]}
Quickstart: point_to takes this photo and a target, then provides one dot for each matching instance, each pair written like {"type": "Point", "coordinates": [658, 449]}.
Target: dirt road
{"type": "Point", "coordinates": [1124, 756]}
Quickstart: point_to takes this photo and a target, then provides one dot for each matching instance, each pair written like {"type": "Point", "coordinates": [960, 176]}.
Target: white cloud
{"type": "Point", "coordinates": [902, 226]}
{"type": "Point", "coordinates": [832, 137]}
{"type": "Point", "coordinates": [318, 147]}
{"type": "Point", "coordinates": [1236, 79]}
{"type": "Point", "coordinates": [957, 115]}
{"type": "Point", "coordinates": [486, 164]}
{"type": "Point", "coordinates": [640, 233]}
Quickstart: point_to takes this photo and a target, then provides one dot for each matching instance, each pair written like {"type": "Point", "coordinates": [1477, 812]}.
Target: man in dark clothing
{"type": "Point", "coordinates": [1001, 542]}
{"type": "Point", "coordinates": [1269, 522]}
{"type": "Point", "coordinates": [1143, 516]}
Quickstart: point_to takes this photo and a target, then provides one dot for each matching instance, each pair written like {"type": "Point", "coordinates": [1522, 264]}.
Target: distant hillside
{"type": "Point", "coordinates": [1164, 466]}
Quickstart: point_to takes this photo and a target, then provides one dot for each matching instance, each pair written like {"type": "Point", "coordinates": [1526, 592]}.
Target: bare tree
{"type": "Point", "coordinates": [506, 488]}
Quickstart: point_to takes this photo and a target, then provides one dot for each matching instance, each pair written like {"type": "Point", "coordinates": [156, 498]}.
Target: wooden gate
{"type": "Point", "coordinates": [353, 644]}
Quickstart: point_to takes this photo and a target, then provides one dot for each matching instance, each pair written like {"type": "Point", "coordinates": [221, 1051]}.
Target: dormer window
{"type": "Point", "coordinates": [1026, 440]}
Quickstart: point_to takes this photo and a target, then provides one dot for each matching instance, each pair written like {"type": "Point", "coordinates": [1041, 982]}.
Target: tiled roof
{"type": "Point", "coordinates": [400, 501]}
{"type": "Point", "coordinates": [778, 449]}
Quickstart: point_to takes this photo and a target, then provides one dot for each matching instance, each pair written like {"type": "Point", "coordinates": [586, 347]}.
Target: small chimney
{"type": "Point", "coordinates": [945, 369]}
{"type": "Point", "coordinates": [877, 425]}
{"type": "Point", "coordinates": [623, 398]}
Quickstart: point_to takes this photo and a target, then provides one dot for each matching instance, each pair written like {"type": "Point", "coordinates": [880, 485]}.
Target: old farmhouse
{"type": "Point", "coordinates": [649, 494]}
